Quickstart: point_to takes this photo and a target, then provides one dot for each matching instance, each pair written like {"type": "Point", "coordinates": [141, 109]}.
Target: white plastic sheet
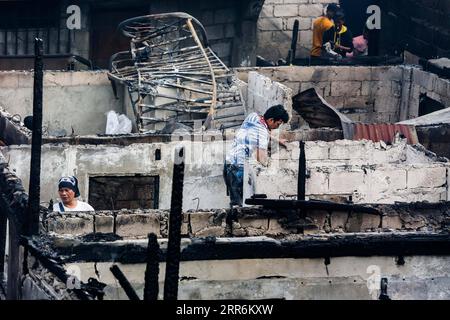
{"type": "Point", "coordinates": [117, 124]}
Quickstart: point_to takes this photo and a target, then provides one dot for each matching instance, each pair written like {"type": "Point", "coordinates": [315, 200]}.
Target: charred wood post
{"type": "Point", "coordinates": [124, 283]}
{"type": "Point", "coordinates": [173, 247]}
{"type": "Point", "coordinates": [151, 288]}
{"type": "Point", "coordinates": [32, 227]}
{"type": "Point", "coordinates": [384, 295]}
{"type": "Point", "coordinates": [301, 186]}
{"type": "Point", "coordinates": [292, 52]}
{"type": "Point", "coordinates": [3, 222]}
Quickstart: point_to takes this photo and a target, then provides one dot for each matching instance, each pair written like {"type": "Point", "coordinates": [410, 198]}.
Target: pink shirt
{"type": "Point", "coordinates": [361, 46]}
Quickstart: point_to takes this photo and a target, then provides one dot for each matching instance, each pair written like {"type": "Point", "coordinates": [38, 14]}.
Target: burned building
{"type": "Point", "coordinates": [356, 207]}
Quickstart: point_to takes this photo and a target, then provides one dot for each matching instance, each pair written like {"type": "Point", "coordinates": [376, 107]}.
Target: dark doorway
{"type": "Point", "coordinates": [356, 14]}
{"type": "Point", "coordinates": [115, 193]}
{"type": "Point", "coordinates": [106, 40]}
{"type": "Point", "coordinates": [428, 105]}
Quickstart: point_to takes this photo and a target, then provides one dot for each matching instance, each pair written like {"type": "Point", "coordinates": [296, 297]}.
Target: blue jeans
{"type": "Point", "coordinates": [234, 179]}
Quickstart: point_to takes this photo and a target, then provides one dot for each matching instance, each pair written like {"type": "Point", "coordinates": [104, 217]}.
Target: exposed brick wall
{"type": "Point", "coordinates": [366, 171]}
{"type": "Point", "coordinates": [420, 26]}
{"type": "Point", "coordinates": [276, 22]}
{"type": "Point", "coordinates": [364, 94]}
{"type": "Point", "coordinates": [261, 222]}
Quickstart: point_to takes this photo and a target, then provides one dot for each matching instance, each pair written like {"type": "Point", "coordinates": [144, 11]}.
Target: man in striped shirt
{"type": "Point", "coordinates": [252, 139]}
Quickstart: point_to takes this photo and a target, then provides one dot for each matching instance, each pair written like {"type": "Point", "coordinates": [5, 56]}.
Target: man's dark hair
{"type": "Point", "coordinates": [277, 113]}
{"type": "Point", "coordinates": [333, 7]}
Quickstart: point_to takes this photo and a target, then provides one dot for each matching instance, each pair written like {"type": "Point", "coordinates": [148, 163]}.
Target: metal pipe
{"type": "Point", "coordinates": [32, 227]}
{"type": "Point", "coordinates": [175, 218]}
{"type": "Point", "coordinates": [151, 288]}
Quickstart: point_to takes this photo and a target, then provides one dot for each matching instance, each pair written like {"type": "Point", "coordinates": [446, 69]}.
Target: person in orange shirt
{"type": "Point", "coordinates": [322, 25]}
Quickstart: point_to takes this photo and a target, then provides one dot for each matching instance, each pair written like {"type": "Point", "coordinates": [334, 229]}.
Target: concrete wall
{"type": "Point", "coordinates": [368, 172]}
{"type": "Point", "coordinates": [345, 278]}
{"type": "Point", "coordinates": [371, 173]}
{"type": "Point", "coordinates": [263, 93]}
{"type": "Point", "coordinates": [417, 82]}
{"type": "Point", "coordinates": [365, 94]}
{"type": "Point", "coordinates": [203, 173]}
{"type": "Point", "coordinates": [78, 100]}
{"type": "Point", "coordinates": [276, 22]}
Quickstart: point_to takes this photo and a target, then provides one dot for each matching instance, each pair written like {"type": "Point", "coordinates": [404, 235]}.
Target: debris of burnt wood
{"type": "Point", "coordinates": [151, 288]}
{"type": "Point", "coordinates": [32, 227]}
{"type": "Point", "coordinates": [343, 245]}
{"type": "Point", "coordinates": [175, 219]}
{"type": "Point", "coordinates": [100, 237]}
{"type": "Point", "coordinates": [51, 261]}
{"type": "Point", "coordinates": [124, 283]}
{"type": "Point", "coordinates": [11, 131]}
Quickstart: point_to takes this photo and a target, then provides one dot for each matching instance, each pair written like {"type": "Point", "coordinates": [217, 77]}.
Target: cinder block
{"type": "Point", "coordinates": [346, 88]}
{"type": "Point", "coordinates": [317, 151]}
{"type": "Point", "coordinates": [216, 231]}
{"type": "Point", "coordinates": [276, 229]}
{"type": "Point", "coordinates": [75, 225]}
{"type": "Point", "coordinates": [386, 180]}
{"type": "Point", "coordinates": [289, 10]}
{"type": "Point", "coordinates": [137, 225]}
{"type": "Point", "coordinates": [255, 223]}
{"type": "Point", "coordinates": [104, 223]}
{"type": "Point", "coordinates": [424, 79]}
{"type": "Point", "coordinates": [304, 23]}
{"type": "Point", "coordinates": [344, 182]}
{"type": "Point", "coordinates": [358, 222]}
{"type": "Point", "coordinates": [392, 222]}
{"type": "Point", "coordinates": [347, 150]}
{"type": "Point", "coordinates": [427, 177]}
{"type": "Point", "coordinates": [338, 220]}
{"type": "Point", "coordinates": [201, 220]}
{"type": "Point", "coordinates": [317, 183]}
{"type": "Point", "coordinates": [319, 217]}
{"type": "Point", "coordinates": [270, 24]}
{"type": "Point", "coordinates": [310, 10]}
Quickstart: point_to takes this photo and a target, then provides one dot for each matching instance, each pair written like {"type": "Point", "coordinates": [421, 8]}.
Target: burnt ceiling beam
{"type": "Point", "coordinates": [357, 245]}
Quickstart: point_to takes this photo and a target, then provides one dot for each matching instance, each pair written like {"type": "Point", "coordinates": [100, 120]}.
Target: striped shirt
{"type": "Point", "coordinates": [253, 134]}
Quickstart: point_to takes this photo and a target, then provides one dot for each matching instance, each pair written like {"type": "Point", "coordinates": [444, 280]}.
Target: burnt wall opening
{"type": "Point", "coordinates": [129, 192]}
{"type": "Point", "coordinates": [428, 105]}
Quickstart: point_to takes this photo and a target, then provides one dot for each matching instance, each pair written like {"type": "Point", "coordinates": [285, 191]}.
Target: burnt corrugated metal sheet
{"type": "Point", "coordinates": [379, 132]}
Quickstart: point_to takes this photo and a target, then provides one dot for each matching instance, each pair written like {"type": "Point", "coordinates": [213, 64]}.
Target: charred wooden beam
{"type": "Point", "coordinates": [32, 227]}
{"type": "Point", "coordinates": [301, 185]}
{"type": "Point", "coordinates": [175, 219]}
{"type": "Point", "coordinates": [357, 245]}
{"type": "Point", "coordinates": [131, 294]}
{"type": "Point", "coordinates": [311, 205]}
{"type": "Point", "coordinates": [151, 288]}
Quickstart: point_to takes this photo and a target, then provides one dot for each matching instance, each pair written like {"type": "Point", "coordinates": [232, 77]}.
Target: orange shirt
{"type": "Point", "coordinates": [321, 25]}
